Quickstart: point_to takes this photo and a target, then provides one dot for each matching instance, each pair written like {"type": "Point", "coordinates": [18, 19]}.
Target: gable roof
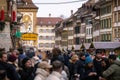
{"type": "Point", "coordinates": [48, 20]}
{"type": "Point", "coordinates": [26, 4]}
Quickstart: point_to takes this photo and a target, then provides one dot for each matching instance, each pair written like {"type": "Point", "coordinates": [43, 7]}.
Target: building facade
{"type": "Point", "coordinates": [28, 9]}
{"type": "Point", "coordinates": [46, 34]}
{"type": "Point", "coordinates": [94, 21]}
{"type": "Point", "coordinates": [116, 20]}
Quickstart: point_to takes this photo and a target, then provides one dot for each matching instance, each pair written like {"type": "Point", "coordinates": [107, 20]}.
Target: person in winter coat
{"type": "Point", "coordinates": [56, 73]}
{"type": "Point", "coordinates": [89, 71]}
{"type": "Point", "coordinates": [42, 71]}
{"type": "Point", "coordinates": [81, 65]}
{"type": "Point", "coordinates": [113, 72]}
{"type": "Point", "coordinates": [28, 71]}
{"type": "Point", "coordinates": [97, 63]}
{"type": "Point", "coordinates": [72, 66]}
{"type": "Point", "coordinates": [7, 70]}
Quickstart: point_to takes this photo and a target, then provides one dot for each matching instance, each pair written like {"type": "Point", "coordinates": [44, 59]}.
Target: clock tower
{"type": "Point", "coordinates": [28, 10]}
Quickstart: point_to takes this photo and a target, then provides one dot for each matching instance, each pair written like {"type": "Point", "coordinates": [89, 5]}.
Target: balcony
{"type": "Point", "coordinates": [116, 24]}
{"type": "Point", "coordinates": [106, 15]}
{"type": "Point", "coordinates": [117, 8]}
{"type": "Point", "coordinates": [96, 33]}
{"type": "Point", "coordinates": [105, 30]}
{"type": "Point", "coordinates": [78, 21]}
{"type": "Point", "coordinates": [98, 17]}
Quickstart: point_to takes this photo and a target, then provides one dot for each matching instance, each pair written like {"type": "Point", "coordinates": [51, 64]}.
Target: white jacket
{"type": "Point", "coordinates": [55, 76]}
{"type": "Point", "coordinates": [41, 74]}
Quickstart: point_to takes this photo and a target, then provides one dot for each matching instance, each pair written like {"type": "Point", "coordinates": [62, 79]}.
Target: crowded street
{"type": "Point", "coordinates": [60, 40]}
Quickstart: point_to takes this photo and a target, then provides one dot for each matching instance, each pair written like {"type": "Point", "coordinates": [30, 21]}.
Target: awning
{"type": "Point", "coordinates": [105, 45]}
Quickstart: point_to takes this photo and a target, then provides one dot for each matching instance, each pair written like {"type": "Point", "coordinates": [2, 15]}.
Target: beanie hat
{"type": "Point", "coordinates": [98, 51]}
{"type": "Point", "coordinates": [82, 54]}
{"type": "Point", "coordinates": [25, 60]}
{"type": "Point", "coordinates": [88, 60]}
{"type": "Point", "coordinates": [12, 58]}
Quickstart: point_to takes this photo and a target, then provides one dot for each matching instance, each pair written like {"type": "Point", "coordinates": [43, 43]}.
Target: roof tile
{"type": "Point", "coordinates": [48, 20]}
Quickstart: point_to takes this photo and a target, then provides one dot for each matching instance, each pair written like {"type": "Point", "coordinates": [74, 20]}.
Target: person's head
{"type": "Point", "coordinates": [82, 56]}
{"type": "Point", "coordinates": [15, 53]}
{"type": "Point", "coordinates": [20, 50]}
{"type": "Point", "coordinates": [12, 58]}
{"type": "Point", "coordinates": [74, 58]}
{"type": "Point", "coordinates": [112, 58]}
{"type": "Point", "coordinates": [89, 61]}
{"type": "Point", "coordinates": [3, 56]}
{"type": "Point", "coordinates": [98, 54]}
{"type": "Point", "coordinates": [57, 66]}
{"type": "Point", "coordinates": [45, 65]}
{"type": "Point", "coordinates": [105, 62]}
{"type": "Point", "coordinates": [26, 63]}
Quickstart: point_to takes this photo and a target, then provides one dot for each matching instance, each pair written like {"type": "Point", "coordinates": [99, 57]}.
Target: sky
{"type": "Point", "coordinates": [56, 10]}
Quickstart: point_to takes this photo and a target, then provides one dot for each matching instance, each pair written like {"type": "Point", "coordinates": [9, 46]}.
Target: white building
{"type": "Point", "coordinates": [46, 35]}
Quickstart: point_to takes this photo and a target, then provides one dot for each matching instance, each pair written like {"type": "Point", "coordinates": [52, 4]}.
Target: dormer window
{"type": "Point", "coordinates": [26, 3]}
{"type": "Point", "coordinates": [41, 22]}
{"type": "Point", "coordinates": [49, 22]}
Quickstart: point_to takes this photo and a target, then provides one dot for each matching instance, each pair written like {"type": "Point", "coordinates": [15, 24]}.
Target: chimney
{"type": "Point", "coordinates": [49, 14]}
{"type": "Point", "coordinates": [71, 12]}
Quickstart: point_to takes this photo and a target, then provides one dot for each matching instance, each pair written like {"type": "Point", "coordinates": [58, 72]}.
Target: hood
{"type": "Point", "coordinates": [117, 62]}
{"type": "Point", "coordinates": [42, 72]}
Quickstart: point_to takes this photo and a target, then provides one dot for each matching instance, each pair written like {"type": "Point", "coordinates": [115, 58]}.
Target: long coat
{"type": "Point", "coordinates": [41, 74]}
{"type": "Point", "coordinates": [113, 72]}
{"type": "Point", "coordinates": [55, 76]}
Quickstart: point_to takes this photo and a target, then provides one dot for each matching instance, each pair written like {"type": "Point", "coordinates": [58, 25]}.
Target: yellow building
{"type": "Point", "coordinates": [28, 10]}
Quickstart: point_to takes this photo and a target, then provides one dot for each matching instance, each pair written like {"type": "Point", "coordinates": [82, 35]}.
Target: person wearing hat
{"type": "Point", "coordinates": [81, 64]}
{"type": "Point", "coordinates": [43, 70]}
{"type": "Point", "coordinates": [89, 70]}
{"type": "Point", "coordinates": [97, 62]}
{"type": "Point", "coordinates": [113, 71]}
{"type": "Point", "coordinates": [28, 71]}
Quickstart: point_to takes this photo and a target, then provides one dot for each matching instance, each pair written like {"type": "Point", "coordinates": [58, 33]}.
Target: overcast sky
{"type": "Point", "coordinates": [57, 9]}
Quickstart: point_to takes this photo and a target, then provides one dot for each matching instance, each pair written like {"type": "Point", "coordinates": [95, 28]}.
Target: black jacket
{"type": "Point", "coordinates": [27, 73]}
{"type": "Point", "coordinates": [9, 71]}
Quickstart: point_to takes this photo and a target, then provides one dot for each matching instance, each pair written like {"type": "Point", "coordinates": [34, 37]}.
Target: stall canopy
{"type": "Point", "coordinates": [105, 45]}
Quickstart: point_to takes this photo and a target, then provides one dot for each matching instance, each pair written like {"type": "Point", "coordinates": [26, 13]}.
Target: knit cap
{"type": "Point", "coordinates": [88, 60]}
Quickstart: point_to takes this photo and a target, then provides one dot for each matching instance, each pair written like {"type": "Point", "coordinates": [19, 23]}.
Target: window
{"type": "Point", "coordinates": [40, 37]}
{"type": "Point", "coordinates": [115, 32]}
{"type": "Point", "coordinates": [115, 17]}
{"type": "Point", "coordinates": [106, 37]}
{"type": "Point", "coordinates": [115, 3]}
{"type": "Point", "coordinates": [109, 9]}
{"type": "Point", "coordinates": [77, 40]}
{"type": "Point", "coordinates": [119, 16]}
{"type": "Point", "coordinates": [77, 29]}
{"type": "Point", "coordinates": [41, 44]}
{"type": "Point", "coordinates": [118, 2]}
{"type": "Point", "coordinates": [107, 24]}
{"type": "Point", "coordinates": [82, 29]}
{"type": "Point", "coordinates": [110, 22]}
{"type": "Point", "coordinates": [40, 31]}
{"type": "Point", "coordinates": [105, 10]}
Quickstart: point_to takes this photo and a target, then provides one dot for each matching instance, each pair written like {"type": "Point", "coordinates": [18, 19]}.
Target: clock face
{"type": "Point", "coordinates": [27, 21]}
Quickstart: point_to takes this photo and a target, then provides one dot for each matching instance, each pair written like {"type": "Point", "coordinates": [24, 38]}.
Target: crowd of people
{"type": "Point", "coordinates": [18, 64]}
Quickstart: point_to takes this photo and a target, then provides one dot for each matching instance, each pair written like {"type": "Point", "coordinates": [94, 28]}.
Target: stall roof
{"type": "Point", "coordinates": [106, 45]}
{"type": "Point", "coordinates": [77, 47]}
{"type": "Point", "coordinates": [87, 45]}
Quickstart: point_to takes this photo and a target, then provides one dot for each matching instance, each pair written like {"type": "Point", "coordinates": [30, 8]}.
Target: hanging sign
{"type": "Point", "coordinates": [29, 36]}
